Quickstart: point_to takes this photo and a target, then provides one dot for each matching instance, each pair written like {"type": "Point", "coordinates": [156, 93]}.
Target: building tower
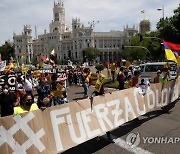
{"type": "Point", "coordinates": [58, 22]}
{"type": "Point", "coordinates": [76, 24]}
{"type": "Point", "coordinates": [144, 26]}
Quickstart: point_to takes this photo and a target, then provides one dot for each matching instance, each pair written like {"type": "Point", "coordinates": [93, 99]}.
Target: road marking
{"type": "Point", "coordinates": [125, 146]}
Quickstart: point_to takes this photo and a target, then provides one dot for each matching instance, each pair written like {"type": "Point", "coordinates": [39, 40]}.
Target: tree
{"type": "Point", "coordinates": [148, 47]}
{"type": "Point", "coordinates": [92, 53]}
{"type": "Point", "coordinates": [132, 52]}
{"type": "Point", "coordinates": [100, 67]}
{"type": "Point", "coordinates": [6, 51]}
{"type": "Point", "coordinates": [169, 28]}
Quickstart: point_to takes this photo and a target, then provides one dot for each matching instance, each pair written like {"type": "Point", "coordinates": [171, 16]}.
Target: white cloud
{"type": "Point", "coordinates": [112, 14]}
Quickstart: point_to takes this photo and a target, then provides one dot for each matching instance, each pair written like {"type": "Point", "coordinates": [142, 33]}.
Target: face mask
{"type": "Point", "coordinates": [29, 102]}
{"type": "Point", "coordinates": [5, 91]}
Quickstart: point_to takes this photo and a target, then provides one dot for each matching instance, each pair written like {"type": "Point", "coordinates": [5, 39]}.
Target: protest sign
{"type": "Point", "coordinates": [9, 79]}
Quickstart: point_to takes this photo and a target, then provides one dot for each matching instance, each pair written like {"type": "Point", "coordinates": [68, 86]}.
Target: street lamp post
{"type": "Point", "coordinates": [162, 9]}
{"type": "Point", "coordinates": [126, 46]}
{"type": "Point", "coordinates": [92, 24]}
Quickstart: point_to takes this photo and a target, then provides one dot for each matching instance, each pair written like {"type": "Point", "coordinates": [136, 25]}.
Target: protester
{"type": "Point", "coordinates": [127, 82]}
{"type": "Point", "coordinates": [164, 76]}
{"type": "Point", "coordinates": [157, 78]}
{"type": "Point", "coordinates": [44, 95]}
{"type": "Point", "coordinates": [26, 104]}
{"type": "Point", "coordinates": [134, 80]}
{"type": "Point", "coordinates": [121, 78]}
{"type": "Point", "coordinates": [85, 78]}
{"type": "Point", "coordinates": [99, 86]}
{"type": "Point", "coordinates": [99, 90]}
{"type": "Point", "coordinates": [55, 99]}
{"type": "Point", "coordinates": [113, 69]}
{"type": "Point", "coordinates": [7, 101]}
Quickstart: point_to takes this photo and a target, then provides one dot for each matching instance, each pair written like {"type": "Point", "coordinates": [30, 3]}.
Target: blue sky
{"type": "Point", "coordinates": [112, 14]}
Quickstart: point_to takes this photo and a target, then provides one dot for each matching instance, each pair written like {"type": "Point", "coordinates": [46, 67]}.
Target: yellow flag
{"type": "Point", "coordinates": [99, 82]}
{"type": "Point", "coordinates": [135, 62]}
{"type": "Point", "coordinates": [37, 73]}
{"type": "Point", "coordinates": [25, 69]}
{"type": "Point", "coordinates": [178, 60]}
{"type": "Point", "coordinates": [41, 64]}
{"type": "Point", "coordinates": [51, 61]}
{"type": "Point", "coordinates": [170, 55]}
{"type": "Point", "coordinates": [52, 52]}
{"type": "Point", "coordinates": [127, 64]}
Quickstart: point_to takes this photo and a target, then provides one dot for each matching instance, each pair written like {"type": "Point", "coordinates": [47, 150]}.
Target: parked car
{"type": "Point", "coordinates": [149, 70]}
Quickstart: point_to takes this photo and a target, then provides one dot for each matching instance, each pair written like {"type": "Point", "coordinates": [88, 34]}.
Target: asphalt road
{"type": "Point", "coordinates": [151, 128]}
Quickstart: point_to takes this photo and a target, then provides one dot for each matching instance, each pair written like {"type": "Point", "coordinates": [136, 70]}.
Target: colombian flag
{"type": "Point", "coordinates": [172, 51]}
{"type": "Point", "coordinates": [174, 47]}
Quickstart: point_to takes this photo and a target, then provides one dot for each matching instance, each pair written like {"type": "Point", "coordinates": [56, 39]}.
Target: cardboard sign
{"type": "Point", "coordinates": [62, 127]}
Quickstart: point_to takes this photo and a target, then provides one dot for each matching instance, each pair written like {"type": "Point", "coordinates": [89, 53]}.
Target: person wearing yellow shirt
{"type": "Point", "coordinates": [27, 104]}
{"type": "Point", "coordinates": [85, 78]}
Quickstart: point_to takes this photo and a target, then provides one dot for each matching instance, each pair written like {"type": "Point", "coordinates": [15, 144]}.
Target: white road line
{"type": "Point", "coordinates": [125, 146]}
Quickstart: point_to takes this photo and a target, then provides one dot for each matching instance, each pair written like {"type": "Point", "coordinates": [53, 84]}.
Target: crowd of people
{"type": "Point", "coordinates": [51, 88]}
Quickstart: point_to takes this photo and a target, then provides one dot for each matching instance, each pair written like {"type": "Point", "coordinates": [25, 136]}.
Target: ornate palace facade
{"type": "Point", "coordinates": [69, 41]}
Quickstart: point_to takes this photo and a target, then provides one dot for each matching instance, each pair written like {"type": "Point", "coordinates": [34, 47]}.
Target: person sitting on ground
{"type": "Point", "coordinates": [27, 104]}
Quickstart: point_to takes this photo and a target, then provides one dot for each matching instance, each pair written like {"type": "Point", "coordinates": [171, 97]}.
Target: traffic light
{"type": "Point", "coordinates": [140, 38]}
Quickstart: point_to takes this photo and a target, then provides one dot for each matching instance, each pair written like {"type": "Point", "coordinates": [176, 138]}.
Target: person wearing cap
{"type": "Point", "coordinates": [157, 78]}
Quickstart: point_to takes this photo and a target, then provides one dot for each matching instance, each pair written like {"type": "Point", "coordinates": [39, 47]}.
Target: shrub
{"type": "Point", "coordinates": [99, 67]}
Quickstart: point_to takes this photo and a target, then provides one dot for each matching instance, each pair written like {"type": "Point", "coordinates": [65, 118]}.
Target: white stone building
{"type": "Point", "coordinates": [69, 42]}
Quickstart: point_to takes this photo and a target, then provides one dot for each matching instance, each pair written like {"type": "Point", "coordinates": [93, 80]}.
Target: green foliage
{"type": "Point", "coordinates": [99, 67]}
{"type": "Point", "coordinates": [148, 49]}
{"type": "Point", "coordinates": [6, 51]}
{"type": "Point", "coordinates": [170, 27]}
{"type": "Point", "coordinates": [135, 52]}
{"type": "Point", "coordinates": [92, 53]}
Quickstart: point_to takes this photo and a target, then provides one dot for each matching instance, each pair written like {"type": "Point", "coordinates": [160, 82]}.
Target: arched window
{"type": "Point", "coordinates": [55, 29]}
